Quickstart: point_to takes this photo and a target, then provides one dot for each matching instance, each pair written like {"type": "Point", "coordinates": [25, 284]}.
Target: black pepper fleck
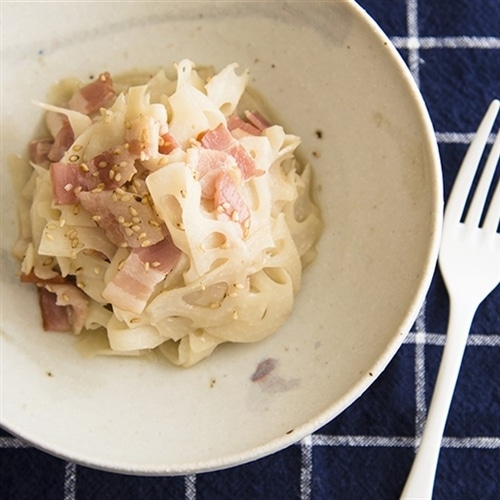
{"type": "Point", "coordinates": [319, 133]}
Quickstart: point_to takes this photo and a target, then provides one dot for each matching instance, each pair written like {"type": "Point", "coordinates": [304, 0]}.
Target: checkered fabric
{"type": "Point", "coordinates": [452, 48]}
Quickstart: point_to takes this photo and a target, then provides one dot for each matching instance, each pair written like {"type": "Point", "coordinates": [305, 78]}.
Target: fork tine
{"type": "Point", "coordinates": [458, 196]}
{"type": "Point", "coordinates": [492, 218]}
{"type": "Point", "coordinates": [478, 201]}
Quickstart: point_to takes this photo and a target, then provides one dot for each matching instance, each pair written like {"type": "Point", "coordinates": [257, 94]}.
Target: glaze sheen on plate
{"type": "Point", "coordinates": [332, 77]}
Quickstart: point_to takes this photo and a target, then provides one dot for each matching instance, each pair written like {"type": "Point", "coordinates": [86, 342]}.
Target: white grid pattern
{"type": "Point", "coordinates": [420, 338]}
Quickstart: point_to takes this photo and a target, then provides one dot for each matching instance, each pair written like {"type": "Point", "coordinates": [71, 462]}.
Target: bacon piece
{"type": "Point", "coordinates": [39, 150]}
{"type": "Point", "coordinates": [33, 278]}
{"type": "Point", "coordinates": [123, 218]}
{"type": "Point", "coordinates": [65, 178]}
{"type": "Point", "coordinates": [108, 170]}
{"type": "Point", "coordinates": [220, 139]}
{"type": "Point", "coordinates": [239, 127]}
{"type": "Point", "coordinates": [93, 96]}
{"type": "Point", "coordinates": [229, 200]}
{"type": "Point", "coordinates": [208, 163]}
{"type": "Point", "coordinates": [114, 167]}
{"type": "Point", "coordinates": [257, 120]}
{"type": "Point", "coordinates": [141, 271]}
{"type": "Point", "coordinates": [54, 318]}
{"type": "Point", "coordinates": [64, 307]}
{"type": "Point", "coordinates": [167, 144]}
{"type": "Point", "coordinates": [60, 128]}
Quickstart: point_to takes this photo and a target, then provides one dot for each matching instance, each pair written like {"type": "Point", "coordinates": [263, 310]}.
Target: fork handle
{"type": "Point", "coordinates": [420, 482]}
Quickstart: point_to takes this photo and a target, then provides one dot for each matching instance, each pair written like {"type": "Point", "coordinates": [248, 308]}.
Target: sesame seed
{"type": "Point", "coordinates": [146, 266]}
{"type": "Point", "coordinates": [132, 211]}
{"type": "Point", "coordinates": [48, 262]}
{"type": "Point", "coordinates": [51, 226]}
{"type": "Point", "coordinates": [97, 270]}
{"type": "Point", "coordinates": [65, 297]}
{"type": "Point", "coordinates": [226, 205]}
{"type": "Point", "coordinates": [153, 223]}
{"type": "Point", "coordinates": [77, 189]}
{"type": "Point", "coordinates": [235, 216]}
{"type": "Point", "coordinates": [74, 158]}
{"type": "Point", "coordinates": [84, 167]}
{"type": "Point", "coordinates": [235, 315]}
{"type": "Point", "coordinates": [155, 264]}
{"type": "Point", "coordinates": [118, 177]}
{"type": "Point", "coordinates": [240, 286]}
{"type": "Point", "coordinates": [183, 193]}
{"type": "Point", "coordinates": [134, 321]}
{"type": "Point", "coordinates": [76, 209]}
{"type": "Point", "coordinates": [111, 174]}
{"type": "Point", "coordinates": [81, 284]}
{"type": "Point", "coordinates": [121, 219]}
{"type": "Point", "coordinates": [121, 264]}
{"type": "Point", "coordinates": [141, 236]}
{"type": "Point", "coordinates": [62, 222]}
{"type": "Point", "coordinates": [77, 147]}
{"type": "Point", "coordinates": [78, 270]}
{"type": "Point", "coordinates": [136, 228]}
{"type": "Point", "coordinates": [49, 236]}
{"type": "Point", "coordinates": [68, 187]}
{"type": "Point", "coordinates": [136, 220]}
{"type": "Point", "coordinates": [145, 243]}
{"type": "Point", "coordinates": [128, 231]}
{"type": "Point", "coordinates": [97, 218]}
{"type": "Point", "coordinates": [215, 305]}
{"type": "Point", "coordinates": [102, 164]}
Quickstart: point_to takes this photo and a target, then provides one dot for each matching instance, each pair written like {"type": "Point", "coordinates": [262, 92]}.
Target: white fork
{"type": "Point", "coordinates": [469, 260]}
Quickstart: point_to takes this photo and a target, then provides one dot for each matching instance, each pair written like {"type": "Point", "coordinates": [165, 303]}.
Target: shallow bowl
{"type": "Point", "coordinates": [331, 76]}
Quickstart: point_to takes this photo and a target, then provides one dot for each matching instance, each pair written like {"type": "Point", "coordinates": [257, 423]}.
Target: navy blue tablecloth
{"type": "Point", "coordinates": [453, 50]}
